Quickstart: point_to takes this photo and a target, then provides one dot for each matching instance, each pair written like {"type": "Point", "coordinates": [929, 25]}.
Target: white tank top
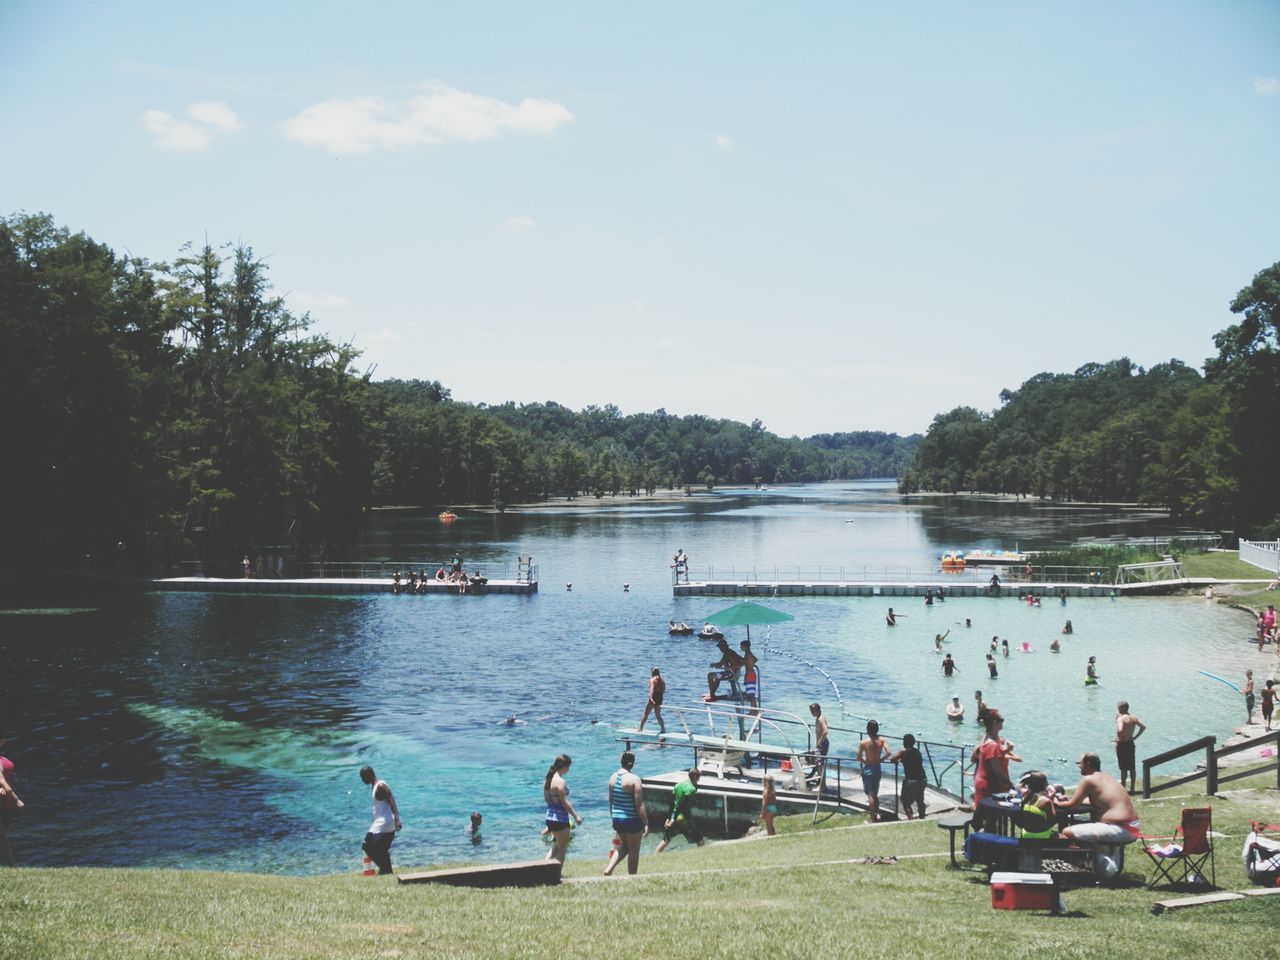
{"type": "Point", "coordinates": [384, 820]}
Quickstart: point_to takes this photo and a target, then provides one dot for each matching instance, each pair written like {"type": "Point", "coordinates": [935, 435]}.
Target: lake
{"type": "Point", "coordinates": [225, 732]}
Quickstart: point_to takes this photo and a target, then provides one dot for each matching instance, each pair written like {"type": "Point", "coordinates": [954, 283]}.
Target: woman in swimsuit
{"type": "Point", "coordinates": [768, 804]}
{"type": "Point", "coordinates": [556, 793]}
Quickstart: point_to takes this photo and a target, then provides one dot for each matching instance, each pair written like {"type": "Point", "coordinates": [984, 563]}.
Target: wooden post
{"type": "Point", "coordinates": [1210, 771]}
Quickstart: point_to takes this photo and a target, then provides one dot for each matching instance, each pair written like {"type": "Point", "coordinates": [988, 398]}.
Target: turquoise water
{"type": "Point", "coordinates": [226, 732]}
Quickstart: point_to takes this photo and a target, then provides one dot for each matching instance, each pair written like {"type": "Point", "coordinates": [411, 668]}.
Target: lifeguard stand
{"type": "Point", "coordinates": [524, 568]}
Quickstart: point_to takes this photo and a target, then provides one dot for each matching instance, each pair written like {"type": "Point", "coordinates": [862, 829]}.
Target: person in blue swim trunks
{"type": "Point", "coordinates": [872, 751]}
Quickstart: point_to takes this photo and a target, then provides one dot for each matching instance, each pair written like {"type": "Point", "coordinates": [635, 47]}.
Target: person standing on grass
{"type": "Point", "coordinates": [386, 821]}
{"type": "Point", "coordinates": [872, 752]}
{"type": "Point", "coordinates": [1128, 729]}
{"type": "Point", "coordinates": [10, 804]}
{"type": "Point", "coordinates": [657, 690]}
{"type": "Point", "coordinates": [913, 778]}
{"type": "Point", "coordinates": [768, 803]}
{"type": "Point", "coordinates": [630, 820]}
{"type": "Point", "coordinates": [680, 819]}
{"type": "Point", "coordinates": [559, 810]}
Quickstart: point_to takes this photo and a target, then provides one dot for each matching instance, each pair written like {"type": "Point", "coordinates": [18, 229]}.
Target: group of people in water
{"type": "Point", "coordinates": [452, 576]}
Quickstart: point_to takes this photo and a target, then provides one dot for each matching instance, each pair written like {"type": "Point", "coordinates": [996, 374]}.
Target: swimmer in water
{"type": "Point", "coordinates": [511, 720]}
{"type": "Point", "coordinates": [938, 638]}
{"type": "Point", "coordinates": [1055, 646]}
{"type": "Point", "coordinates": [1066, 628]}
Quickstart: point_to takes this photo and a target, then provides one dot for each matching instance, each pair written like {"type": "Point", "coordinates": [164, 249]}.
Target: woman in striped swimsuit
{"type": "Point", "coordinates": [630, 820]}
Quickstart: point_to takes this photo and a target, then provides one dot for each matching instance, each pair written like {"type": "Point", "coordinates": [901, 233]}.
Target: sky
{"type": "Point", "coordinates": [825, 216]}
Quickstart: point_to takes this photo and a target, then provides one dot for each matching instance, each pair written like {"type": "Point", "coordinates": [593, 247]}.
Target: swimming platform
{"type": "Point", "coordinates": [1046, 590]}
{"type": "Point", "coordinates": [332, 585]}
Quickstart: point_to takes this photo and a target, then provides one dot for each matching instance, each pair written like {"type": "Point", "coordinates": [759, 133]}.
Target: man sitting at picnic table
{"type": "Point", "coordinates": [1115, 820]}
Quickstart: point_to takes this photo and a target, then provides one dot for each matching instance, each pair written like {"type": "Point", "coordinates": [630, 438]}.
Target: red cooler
{"type": "Point", "coordinates": [1022, 891]}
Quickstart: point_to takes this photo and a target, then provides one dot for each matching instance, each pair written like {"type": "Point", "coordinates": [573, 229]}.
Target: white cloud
{"type": "Point", "coordinates": [723, 142]}
{"type": "Point", "coordinates": [666, 343]}
{"type": "Point", "coordinates": [382, 335]}
{"type": "Point", "coordinates": [1266, 86]}
{"type": "Point", "coordinates": [171, 134]}
{"type": "Point", "coordinates": [518, 224]}
{"type": "Point", "coordinates": [362, 124]}
{"type": "Point", "coordinates": [215, 113]}
{"type": "Point", "coordinates": [316, 301]}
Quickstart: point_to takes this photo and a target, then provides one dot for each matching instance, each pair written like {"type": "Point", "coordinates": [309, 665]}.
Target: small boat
{"type": "Point", "coordinates": [709, 632]}
{"type": "Point", "coordinates": [448, 516]}
{"type": "Point", "coordinates": [679, 629]}
{"type": "Point", "coordinates": [995, 558]}
{"type": "Point", "coordinates": [953, 560]}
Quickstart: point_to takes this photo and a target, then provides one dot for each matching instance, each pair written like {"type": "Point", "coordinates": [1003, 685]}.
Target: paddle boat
{"type": "Point", "coordinates": [995, 558]}
{"type": "Point", "coordinates": [953, 560]}
{"type": "Point", "coordinates": [680, 629]}
{"type": "Point", "coordinates": [708, 632]}
{"type": "Point", "coordinates": [448, 516]}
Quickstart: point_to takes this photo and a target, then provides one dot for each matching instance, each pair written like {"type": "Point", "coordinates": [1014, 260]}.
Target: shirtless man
{"type": "Point", "coordinates": [823, 740]}
{"type": "Point", "coordinates": [982, 707]}
{"type": "Point", "coordinates": [729, 664]}
{"type": "Point", "coordinates": [1128, 729]}
{"type": "Point", "coordinates": [891, 618]}
{"type": "Point", "coordinates": [1248, 693]}
{"type": "Point", "coordinates": [657, 690]}
{"type": "Point", "coordinates": [872, 751]}
{"type": "Point", "coordinates": [1116, 822]}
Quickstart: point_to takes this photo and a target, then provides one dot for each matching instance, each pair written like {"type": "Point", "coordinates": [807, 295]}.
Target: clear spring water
{"type": "Point", "coordinates": [225, 732]}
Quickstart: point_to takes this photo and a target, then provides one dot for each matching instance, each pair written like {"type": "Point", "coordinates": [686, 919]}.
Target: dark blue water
{"type": "Point", "coordinates": [226, 732]}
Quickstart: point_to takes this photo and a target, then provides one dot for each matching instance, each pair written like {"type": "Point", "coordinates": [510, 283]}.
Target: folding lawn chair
{"type": "Point", "coordinates": [1182, 858]}
{"type": "Point", "coordinates": [1262, 853]}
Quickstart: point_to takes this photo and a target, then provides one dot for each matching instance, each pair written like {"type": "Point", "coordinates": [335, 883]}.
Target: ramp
{"type": "Point", "coordinates": [527, 873]}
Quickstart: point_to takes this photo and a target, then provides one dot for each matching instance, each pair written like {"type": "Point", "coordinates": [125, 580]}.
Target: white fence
{"type": "Point", "coordinates": [1264, 554]}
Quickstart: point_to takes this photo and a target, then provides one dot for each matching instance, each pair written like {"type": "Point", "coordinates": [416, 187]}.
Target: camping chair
{"type": "Point", "coordinates": [1262, 853]}
{"type": "Point", "coordinates": [1187, 850]}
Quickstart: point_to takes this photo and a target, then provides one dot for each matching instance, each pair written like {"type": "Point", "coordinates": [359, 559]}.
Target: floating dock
{"type": "Point", "coordinates": [333, 585]}
{"type": "Point", "coordinates": [856, 588]}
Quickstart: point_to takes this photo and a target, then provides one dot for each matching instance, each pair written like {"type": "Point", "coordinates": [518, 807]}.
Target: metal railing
{"type": "Point", "coordinates": [1264, 554]}
{"type": "Point", "coordinates": [1209, 771]}
{"type": "Point", "coordinates": [1009, 576]}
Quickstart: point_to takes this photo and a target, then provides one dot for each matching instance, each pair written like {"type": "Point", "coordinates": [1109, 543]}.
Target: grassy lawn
{"type": "Point", "coordinates": [1225, 566]}
{"type": "Point", "coordinates": [792, 896]}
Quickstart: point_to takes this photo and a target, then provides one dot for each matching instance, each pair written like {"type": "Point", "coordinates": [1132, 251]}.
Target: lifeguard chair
{"type": "Point", "coordinates": [524, 568]}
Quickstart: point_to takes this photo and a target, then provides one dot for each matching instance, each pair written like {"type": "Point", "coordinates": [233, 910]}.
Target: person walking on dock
{"type": "Point", "coordinates": [657, 690]}
{"type": "Point", "coordinates": [386, 821]}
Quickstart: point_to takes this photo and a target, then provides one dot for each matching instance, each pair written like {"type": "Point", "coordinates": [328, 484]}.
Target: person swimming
{"type": "Point", "coordinates": [955, 709]}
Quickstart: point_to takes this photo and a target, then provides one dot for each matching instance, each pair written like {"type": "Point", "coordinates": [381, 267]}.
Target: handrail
{"type": "Point", "coordinates": [1210, 771]}
{"type": "Point", "coordinates": [1272, 737]}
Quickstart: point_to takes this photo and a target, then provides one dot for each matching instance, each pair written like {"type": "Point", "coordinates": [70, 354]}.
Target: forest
{"type": "Point", "coordinates": [1199, 444]}
{"type": "Point", "coordinates": [159, 411]}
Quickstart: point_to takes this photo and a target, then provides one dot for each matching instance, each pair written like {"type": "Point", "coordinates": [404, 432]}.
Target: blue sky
{"type": "Point", "coordinates": [828, 216]}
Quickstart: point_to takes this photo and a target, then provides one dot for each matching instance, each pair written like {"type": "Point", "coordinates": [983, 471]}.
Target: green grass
{"type": "Point", "coordinates": [1225, 566]}
{"type": "Point", "coordinates": [785, 897]}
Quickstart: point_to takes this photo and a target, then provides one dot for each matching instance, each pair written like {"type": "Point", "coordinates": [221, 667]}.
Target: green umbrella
{"type": "Point", "coordinates": [745, 614]}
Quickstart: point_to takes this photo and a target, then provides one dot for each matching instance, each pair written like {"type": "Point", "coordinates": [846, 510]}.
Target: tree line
{"type": "Point", "coordinates": [163, 411]}
{"type": "Point", "coordinates": [1199, 444]}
